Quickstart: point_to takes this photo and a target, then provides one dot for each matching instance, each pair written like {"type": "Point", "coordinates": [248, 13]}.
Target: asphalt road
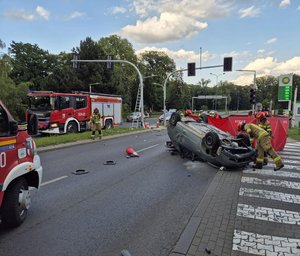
{"type": "Point", "coordinates": [140, 204]}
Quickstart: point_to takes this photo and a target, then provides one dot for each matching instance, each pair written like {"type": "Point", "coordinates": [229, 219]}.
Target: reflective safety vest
{"type": "Point", "coordinates": [95, 118]}
{"type": "Point", "coordinates": [255, 131]}
{"type": "Point", "coordinates": [266, 126]}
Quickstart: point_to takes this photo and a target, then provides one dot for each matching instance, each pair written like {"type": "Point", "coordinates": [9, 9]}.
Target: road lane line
{"type": "Point", "coordinates": [271, 182]}
{"type": "Point", "coordinates": [54, 180]}
{"type": "Point", "coordinates": [143, 149]}
{"type": "Point", "coordinates": [258, 244]}
{"type": "Point", "coordinates": [268, 214]}
{"type": "Point", "coordinates": [270, 195]}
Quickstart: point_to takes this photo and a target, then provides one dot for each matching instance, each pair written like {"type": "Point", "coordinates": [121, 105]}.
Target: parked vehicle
{"type": "Point", "coordinates": [134, 116]}
{"type": "Point", "coordinates": [20, 167]}
{"type": "Point", "coordinates": [200, 140]}
{"type": "Point", "coordinates": [168, 115]}
{"type": "Point", "coordinates": [70, 112]}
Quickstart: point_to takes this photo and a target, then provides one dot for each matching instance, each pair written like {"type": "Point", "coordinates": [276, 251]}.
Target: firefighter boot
{"type": "Point", "coordinates": [278, 163]}
{"type": "Point", "coordinates": [277, 168]}
{"type": "Point", "coordinates": [92, 136]}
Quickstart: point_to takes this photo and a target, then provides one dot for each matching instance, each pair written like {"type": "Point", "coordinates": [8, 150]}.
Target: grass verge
{"type": "Point", "coordinates": [73, 137]}
{"type": "Point", "coordinates": [294, 133]}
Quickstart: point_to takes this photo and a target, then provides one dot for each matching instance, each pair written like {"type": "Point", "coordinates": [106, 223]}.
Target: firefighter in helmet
{"type": "Point", "coordinates": [263, 141]}
{"type": "Point", "coordinates": [95, 122]}
{"type": "Point", "coordinates": [265, 124]}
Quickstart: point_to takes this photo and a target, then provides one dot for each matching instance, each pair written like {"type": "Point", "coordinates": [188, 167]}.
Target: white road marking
{"type": "Point", "coordinates": [54, 180]}
{"type": "Point", "coordinates": [271, 195]}
{"type": "Point", "coordinates": [273, 173]}
{"type": "Point", "coordinates": [258, 244]}
{"type": "Point", "coordinates": [271, 182]}
{"type": "Point", "coordinates": [268, 214]}
{"type": "Point", "coordinates": [143, 149]}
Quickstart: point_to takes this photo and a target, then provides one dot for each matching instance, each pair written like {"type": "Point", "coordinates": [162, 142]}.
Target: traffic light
{"type": "Point", "coordinates": [191, 69]}
{"type": "Point", "coordinates": [227, 64]}
{"type": "Point", "coordinates": [252, 96]}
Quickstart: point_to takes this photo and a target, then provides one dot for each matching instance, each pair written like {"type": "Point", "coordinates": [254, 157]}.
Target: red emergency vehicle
{"type": "Point", "coordinates": [70, 112]}
{"type": "Point", "coordinates": [20, 167]}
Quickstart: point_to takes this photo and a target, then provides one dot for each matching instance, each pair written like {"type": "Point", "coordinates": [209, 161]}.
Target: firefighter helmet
{"type": "Point", "coordinates": [260, 115]}
{"type": "Point", "coordinates": [96, 110]}
{"type": "Point", "coordinates": [241, 126]}
{"type": "Point", "coordinates": [188, 112]}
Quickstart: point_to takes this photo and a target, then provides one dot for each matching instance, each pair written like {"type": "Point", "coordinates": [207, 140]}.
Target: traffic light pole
{"type": "Point", "coordinates": [171, 74]}
{"type": "Point", "coordinates": [138, 71]}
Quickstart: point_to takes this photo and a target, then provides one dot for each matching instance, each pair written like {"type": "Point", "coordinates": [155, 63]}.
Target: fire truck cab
{"type": "Point", "coordinates": [20, 167]}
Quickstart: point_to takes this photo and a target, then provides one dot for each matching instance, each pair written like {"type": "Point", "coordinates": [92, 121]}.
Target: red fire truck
{"type": "Point", "coordinates": [20, 167]}
{"type": "Point", "coordinates": [70, 112]}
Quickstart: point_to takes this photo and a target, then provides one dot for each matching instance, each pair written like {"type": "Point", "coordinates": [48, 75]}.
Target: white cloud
{"type": "Point", "coordinates": [272, 40]}
{"type": "Point", "coordinates": [28, 16]}
{"type": "Point", "coordinates": [285, 3]}
{"type": "Point", "coordinates": [118, 9]}
{"type": "Point", "coordinates": [249, 12]}
{"type": "Point", "coordinates": [42, 12]}
{"type": "Point", "coordinates": [168, 27]}
{"type": "Point", "coordinates": [169, 20]}
{"type": "Point", "coordinates": [269, 66]}
{"type": "Point", "coordinates": [75, 15]}
{"type": "Point", "coordinates": [261, 51]}
{"type": "Point", "coordinates": [19, 15]}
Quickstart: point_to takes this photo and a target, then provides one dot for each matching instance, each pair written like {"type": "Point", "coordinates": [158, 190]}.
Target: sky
{"type": "Point", "coordinates": [260, 35]}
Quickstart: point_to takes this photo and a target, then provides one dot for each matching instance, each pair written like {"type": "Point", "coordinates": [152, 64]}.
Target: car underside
{"type": "Point", "coordinates": [199, 140]}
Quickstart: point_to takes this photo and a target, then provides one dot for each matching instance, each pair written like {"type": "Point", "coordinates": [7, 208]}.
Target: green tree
{"type": "Point", "coordinates": [123, 78]}
{"type": "Point", "coordinates": [155, 67]}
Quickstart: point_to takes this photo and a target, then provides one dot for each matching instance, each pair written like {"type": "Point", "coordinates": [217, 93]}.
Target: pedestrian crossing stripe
{"type": "Point", "coordinates": [270, 172]}
{"type": "Point", "coordinates": [259, 244]}
{"type": "Point", "coordinates": [268, 214]}
{"type": "Point", "coordinates": [271, 182]}
{"type": "Point", "coordinates": [270, 195]}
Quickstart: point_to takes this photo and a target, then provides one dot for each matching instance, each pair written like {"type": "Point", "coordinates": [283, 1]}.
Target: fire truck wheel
{"type": "Point", "coordinates": [72, 127]}
{"type": "Point", "coordinates": [108, 124]}
{"type": "Point", "coordinates": [16, 203]}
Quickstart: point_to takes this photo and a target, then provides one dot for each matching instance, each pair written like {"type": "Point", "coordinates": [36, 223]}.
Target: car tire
{"type": "Point", "coordinates": [175, 117]}
{"type": "Point", "coordinates": [211, 141]}
{"type": "Point", "coordinates": [108, 124]}
{"type": "Point", "coordinates": [245, 140]}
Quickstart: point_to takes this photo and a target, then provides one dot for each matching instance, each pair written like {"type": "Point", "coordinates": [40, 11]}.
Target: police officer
{"type": "Point", "coordinates": [263, 141]}
{"type": "Point", "coordinates": [95, 122]}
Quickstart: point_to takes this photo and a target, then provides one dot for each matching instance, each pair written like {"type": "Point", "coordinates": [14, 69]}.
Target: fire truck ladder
{"type": "Point", "coordinates": [135, 123]}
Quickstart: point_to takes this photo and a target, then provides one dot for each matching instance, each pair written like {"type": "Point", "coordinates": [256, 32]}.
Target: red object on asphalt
{"type": "Point", "coordinates": [131, 152]}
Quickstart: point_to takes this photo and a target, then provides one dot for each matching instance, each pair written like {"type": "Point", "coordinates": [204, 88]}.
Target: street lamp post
{"type": "Point", "coordinates": [217, 77]}
{"type": "Point", "coordinates": [90, 85]}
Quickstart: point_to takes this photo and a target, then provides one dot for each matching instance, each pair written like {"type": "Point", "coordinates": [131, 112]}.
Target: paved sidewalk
{"type": "Point", "coordinates": [248, 213]}
{"type": "Point", "coordinates": [211, 228]}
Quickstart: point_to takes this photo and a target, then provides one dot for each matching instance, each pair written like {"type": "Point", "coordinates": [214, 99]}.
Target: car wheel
{"type": "Point", "coordinates": [245, 140]}
{"type": "Point", "coordinates": [211, 141]}
{"type": "Point", "coordinates": [16, 203]}
{"type": "Point", "coordinates": [175, 117]}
